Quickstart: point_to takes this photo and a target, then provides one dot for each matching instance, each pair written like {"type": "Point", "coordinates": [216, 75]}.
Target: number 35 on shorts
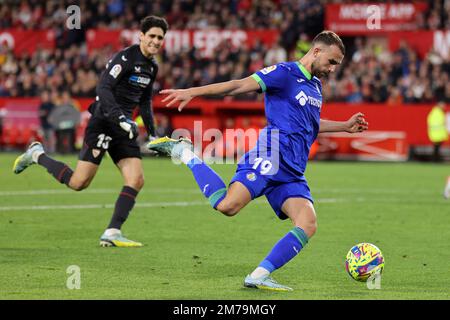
{"type": "Point", "coordinates": [262, 165]}
{"type": "Point", "coordinates": [103, 141]}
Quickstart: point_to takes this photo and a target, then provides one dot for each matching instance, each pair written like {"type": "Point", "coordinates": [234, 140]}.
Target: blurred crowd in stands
{"type": "Point", "coordinates": [370, 73]}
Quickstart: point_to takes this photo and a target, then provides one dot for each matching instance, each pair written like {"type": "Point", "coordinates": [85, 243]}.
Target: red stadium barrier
{"type": "Point", "coordinates": [408, 119]}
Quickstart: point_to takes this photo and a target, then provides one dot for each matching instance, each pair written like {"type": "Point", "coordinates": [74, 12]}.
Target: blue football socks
{"type": "Point", "coordinates": [210, 183]}
{"type": "Point", "coordinates": [285, 249]}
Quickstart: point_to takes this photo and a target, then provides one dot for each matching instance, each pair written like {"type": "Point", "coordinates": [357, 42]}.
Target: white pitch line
{"type": "Point", "coordinates": [102, 206]}
{"type": "Point", "coordinates": [49, 192]}
{"type": "Point", "coordinates": [196, 191]}
{"type": "Point", "coordinates": [90, 191]}
{"type": "Point", "coordinates": [376, 191]}
{"type": "Point", "coordinates": [139, 205]}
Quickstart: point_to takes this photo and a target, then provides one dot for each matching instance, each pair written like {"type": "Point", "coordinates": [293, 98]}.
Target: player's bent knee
{"type": "Point", "coordinates": [311, 229]}
{"type": "Point", "coordinates": [228, 208]}
{"type": "Point", "coordinates": [80, 185]}
{"type": "Point", "coordinates": [136, 183]}
{"type": "Point", "coordinates": [306, 220]}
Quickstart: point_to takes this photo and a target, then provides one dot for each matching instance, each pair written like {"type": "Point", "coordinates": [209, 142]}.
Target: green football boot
{"type": "Point", "coordinates": [169, 146]}
{"type": "Point", "coordinates": [118, 240]}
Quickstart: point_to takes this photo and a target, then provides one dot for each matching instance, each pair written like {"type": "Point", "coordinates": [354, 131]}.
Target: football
{"type": "Point", "coordinates": [364, 260]}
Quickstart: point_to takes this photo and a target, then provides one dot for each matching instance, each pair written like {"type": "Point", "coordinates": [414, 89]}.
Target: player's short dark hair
{"type": "Point", "coordinates": [154, 22]}
{"type": "Point", "coordinates": [329, 38]}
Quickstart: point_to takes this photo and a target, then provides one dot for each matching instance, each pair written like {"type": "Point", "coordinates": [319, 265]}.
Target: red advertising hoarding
{"type": "Point", "coordinates": [177, 40]}
{"type": "Point", "coordinates": [27, 41]}
{"type": "Point", "coordinates": [372, 18]}
{"type": "Point", "coordinates": [370, 145]}
{"type": "Point", "coordinates": [422, 42]}
{"type": "Point", "coordinates": [409, 119]}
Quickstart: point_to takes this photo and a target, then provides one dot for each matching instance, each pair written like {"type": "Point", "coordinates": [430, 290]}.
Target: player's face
{"type": "Point", "coordinates": [151, 41]}
{"type": "Point", "coordinates": [327, 58]}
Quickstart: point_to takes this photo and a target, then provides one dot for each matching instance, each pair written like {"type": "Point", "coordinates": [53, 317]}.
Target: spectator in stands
{"type": "Point", "coordinates": [437, 129]}
{"type": "Point", "coordinates": [70, 66]}
{"type": "Point", "coordinates": [447, 93]}
{"type": "Point", "coordinates": [163, 126]}
{"type": "Point", "coordinates": [64, 118]}
{"type": "Point", "coordinates": [395, 97]}
{"type": "Point", "coordinates": [289, 15]}
{"type": "Point", "coordinates": [45, 108]}
{"type": "Point", "coordinates": [302, 46]}
{"type": "Point", "coordinates": [275, 54]}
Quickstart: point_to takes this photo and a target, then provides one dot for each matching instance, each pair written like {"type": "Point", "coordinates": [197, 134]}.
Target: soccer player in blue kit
{"type": "Point", "coordinates": [275, 167]}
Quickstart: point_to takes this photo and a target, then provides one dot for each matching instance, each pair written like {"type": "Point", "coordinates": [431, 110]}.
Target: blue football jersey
{"type": "Point", "coordinates": [293, 101]}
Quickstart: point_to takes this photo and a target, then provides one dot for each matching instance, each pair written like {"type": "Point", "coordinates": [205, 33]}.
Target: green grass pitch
{"type": "Point", "coordinates": [194, 252]}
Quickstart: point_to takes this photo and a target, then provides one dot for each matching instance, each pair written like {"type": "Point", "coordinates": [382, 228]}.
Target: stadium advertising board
{"type": "Point", "coordinates": [387, 139]}
{"type": "Point", "coordinates": [422, 41]}
{"type": "Point", "coordinates": [370, 18]}
{"type": "Point", "coordinates": [27, 41]}
{"type": "Point", "coordinates": [177, 40]}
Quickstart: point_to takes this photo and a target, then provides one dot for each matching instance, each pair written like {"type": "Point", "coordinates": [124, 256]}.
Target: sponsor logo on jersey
{"type": "Point", "coordinates": [302, 99]}
{"type": "Point", "coordinates": [315, 102]}
{"type": "Point", "coordinates": [140, 80]}
{"type": "Point", "coordinates": [137, 69]}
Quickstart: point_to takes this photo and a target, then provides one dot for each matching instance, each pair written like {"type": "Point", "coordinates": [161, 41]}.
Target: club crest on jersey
{"type": "Point", "coordinates": [251, 176]}
{"type": "Point", "coordinates": [268, 69]}
{"type": "Point", "coordinates": [95, 152]}
{"type": "Point", "coordinates": [115, 70]}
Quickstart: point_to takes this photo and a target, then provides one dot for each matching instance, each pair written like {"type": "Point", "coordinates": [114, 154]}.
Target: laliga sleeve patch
{"type": "Point", "coordinates": [268, 69]}
{"type": "Point", "coordinates": [115, 70]}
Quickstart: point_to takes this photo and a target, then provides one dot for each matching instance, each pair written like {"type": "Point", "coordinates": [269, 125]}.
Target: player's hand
{"type": "Point", "coordinates": [129, 126]}
{"type": "Point", "coordinates": [174, 95]}
{"type": "Point", "coordinates": [356, 123]}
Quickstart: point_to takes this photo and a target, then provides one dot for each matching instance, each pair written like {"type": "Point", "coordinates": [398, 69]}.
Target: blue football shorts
{"type": "Point", "coordinates": [276, 191]}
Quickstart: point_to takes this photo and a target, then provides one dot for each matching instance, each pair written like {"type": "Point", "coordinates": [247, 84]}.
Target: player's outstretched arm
{"type": "Point", "coordinates": [356, 123]}
{"type": "Point", "coordinates": [228, 88]}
